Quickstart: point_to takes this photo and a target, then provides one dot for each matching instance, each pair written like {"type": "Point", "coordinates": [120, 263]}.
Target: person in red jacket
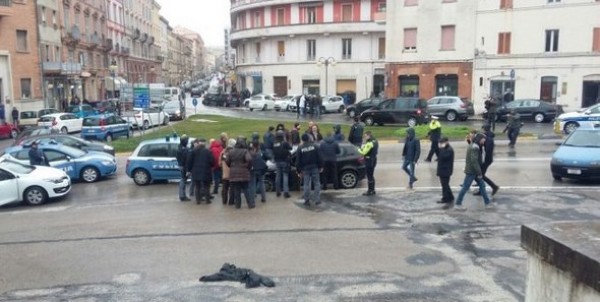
{"type": "Point", "coordinates": [216, 149]}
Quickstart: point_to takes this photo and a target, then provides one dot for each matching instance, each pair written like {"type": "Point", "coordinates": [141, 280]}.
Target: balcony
{"type": "Point", "coordinates": [108, 44]}
{"type": "Point", "coordinates": [144, 38]}
{"type": "Point", "coordinates": [72, 36]}
{"type": "Point", "coordinates": [303, 29]}
{"type": "Point", "coordinates": [52, 67]}
{"type": "Point", "coordinates": [379, 17]}
{"type": "Point", "coordinates": [5, 8]}
{"type": "Point", "coordinates": [71, 68]}
{"type": "Point", "coordinates": [136, 34]}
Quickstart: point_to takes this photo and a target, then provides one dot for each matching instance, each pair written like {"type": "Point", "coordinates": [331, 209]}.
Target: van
{"type": "Point", "coordinates": [30, 118]}
{"type": "Point", "coordinates": [173, 94]}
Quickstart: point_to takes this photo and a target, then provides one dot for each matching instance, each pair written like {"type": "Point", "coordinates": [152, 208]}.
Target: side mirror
{"type": "Point", "coordinates": [68, 158]}
{"type": "Point", "coordinates": [588, 112]}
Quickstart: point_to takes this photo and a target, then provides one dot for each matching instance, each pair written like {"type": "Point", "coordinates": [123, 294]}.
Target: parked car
{"type": "Point", "coordinates": [578, 156]}
{"type": "Point", "coordinates": [68, 140]}
{"type": "Point", "coordinates": [273, 96]}
{"type": "Point", "coordinates": [332, 103]}
{"type": "Point", "coordinates": [451, 108]}
{"type": "Point", "coordinates": [175, 110]}
{"type": "Point", "coordinates": [106, 106]}
{"type": "Point", "coordinates": [261, 102]}
{"type": "Point", "coordinates": [63, 122]}
{"type": "Point", "coordinates": [287, 102]}
{"type": "Point", "coordinates": [87, 166]}
{"type": "Point", "coordinates": [34, 131]}
{"type": "Point", "coordinates": [358, 108]}
{"type": "Point", "coordinates": [29, 184]}
{"type": "Point", "coordinates": [8, 131]}
{"type": "Point", "coordinates": [154, 160]}
{"type": "Point", "coordinates": [350, 164]}
{"type": "Point", "coordinates": [196, 91]}
{"type": "Point", "coordinates": [403, 110]}
{"type": "Point", "coordinates": [81, 110]}
{"type": "Point", "coordinates": [233, 100]}
{"type": "Point", "coordinates": [30, 118]}
{"type": "Point", "coordinates": [586, 118]}
{"type": "Point", "coordinates": [529, 109]}
{"type": "Point", "coordinates": [105, 127]}
{"type": "Point", "coordinates": [146, 118]}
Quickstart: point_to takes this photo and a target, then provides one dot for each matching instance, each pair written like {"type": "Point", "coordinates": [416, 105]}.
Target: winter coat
{"type": "Point", "coordinates": [259, 161]}
{"type": "Point", "coordinates": [315, 137]}
{"type": "Point", "coordinates": [269, 140]}
{"type": "Point", "coordinates": [412, 146]}
{"type": "Point", "coordinates": [308, 157]}
{"type": "Point", "coordinates": [182, 155]}
{"type": "Point", "coordinates": [295, 137]}
{"type": "Point", "coordinates": [329, 149]}
{"type": "Point", "coordinates": [229, 272]}
{"type": "Point", "coordinates": [282, 152]}
{"type": "Point", "coordinates": [488, 148]}
{"type": "Point", "coordinates": [356, 134]}
{"type": "Point", "coordinates": [445, 164]}
{"type": "Point", "coordinates": [200, 164]}
{"type": "Point", "coordinates": [223, 163]}
{"type": "Point", "coordinates": [435, 131]}
{"type": "Point", "coordinates": [472, 164]}
{"type": "Point", "coordinates": [239, 161]}
{"type": "Point", "coordinates": [216, 149]}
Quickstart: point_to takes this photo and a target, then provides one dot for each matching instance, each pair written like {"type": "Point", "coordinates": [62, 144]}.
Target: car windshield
{"type": "Point", "coordinates": [16, 167]}
{"type": "Point", "coordinates": [256, 98]}
{"type": "Point", "coordinates": [584, 138]}
{"type": "Point", "coordinates": [171, 105]}
{"type": "Point", "coordinates": [90, 122]}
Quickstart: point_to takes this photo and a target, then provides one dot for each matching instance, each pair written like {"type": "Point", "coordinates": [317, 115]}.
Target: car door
{"type": "Point", "coordinates": [384, 112]}
{"type": "Point", "coordinates": [4, 130]}
{"type": "Point", "coordinates": [526, 108]}
{"type": "Point", "coordinates": [61, 160]}
{"type": "Point", "coordinates": [9, 187]}
{"type": "Point", "coordinates": [434, 106]}
{"type": "Point", "coordinates": [157, 160]}
{"type": "Point", "coordinates": [76, 122]}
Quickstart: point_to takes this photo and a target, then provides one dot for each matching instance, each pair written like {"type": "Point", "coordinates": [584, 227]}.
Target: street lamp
{"type": "Point", "coordinates": [113, 70]}
{"type": "Point", "coordinates": [326, 62]}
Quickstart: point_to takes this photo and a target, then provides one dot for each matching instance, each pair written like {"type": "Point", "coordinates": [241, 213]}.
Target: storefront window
{"type": "Point", "coordinates": [446, 84]}
{"type": "Point", "coordinates": [502, 90]}
{"type": "Point", "coordinates": [409, 85]}
{"type": "Point", "coordinates": [311, 87]}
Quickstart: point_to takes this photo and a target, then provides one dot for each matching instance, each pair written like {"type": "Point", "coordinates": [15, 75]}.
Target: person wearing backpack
{"type": "Point", "coordinates": [355, 136]}
{"type": "Point", "coordinates": [257, 172]}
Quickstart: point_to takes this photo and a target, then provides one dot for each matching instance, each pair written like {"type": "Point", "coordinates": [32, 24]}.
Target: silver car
{"type": "Point", "coordinates": [452, 108]}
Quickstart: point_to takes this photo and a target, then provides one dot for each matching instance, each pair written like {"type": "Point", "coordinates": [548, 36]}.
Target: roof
{"type": "Point", "coordinates": [161, 140]}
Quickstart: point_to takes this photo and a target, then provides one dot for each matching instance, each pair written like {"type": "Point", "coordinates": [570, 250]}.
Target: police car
{"type": "Point", "coordinates": [586, 118]}
{"type": "Point", "coordinates": [87, 166]}
{"type": "Point", "coordinates": [105, 127]}
{"type": "Point", "coordinates": [154, 160]}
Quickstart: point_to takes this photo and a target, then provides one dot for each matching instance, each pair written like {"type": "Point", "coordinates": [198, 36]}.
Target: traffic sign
{"type": "Point", "coordinates": [195, 102]}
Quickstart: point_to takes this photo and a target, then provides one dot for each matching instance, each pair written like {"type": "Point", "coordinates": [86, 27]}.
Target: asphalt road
{"type": "Point", "coordinates": [115, 241]}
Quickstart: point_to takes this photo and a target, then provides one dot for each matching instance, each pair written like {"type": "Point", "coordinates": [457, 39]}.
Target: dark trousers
{"type": "Point", "coordinates": [513, 134]}
{"type": "Point", "coordinates": [370, 165]}
{"type": "Point", "coordinates": [330, 174]}
{"type": "Point", "coordinates": [491, 120]}
{"type": "Point", "coordinates": [447, 195]}
{"type": "Point", "coordinates": [484, 168]}
{"type": "Point", "coordinates": [217, 176]}
{"type": "Point", "coordinates": [202, 188]}
{"type": "Point", "coordinates": [240, 187]}
{"type": "Point", "coordinates": [435, 149]}
{"type": "Point", "coordinates": [226, 195]}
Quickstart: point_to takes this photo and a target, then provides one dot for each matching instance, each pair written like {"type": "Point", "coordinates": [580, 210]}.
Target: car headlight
{"type": "Point", "coordinates": [108, 148]}
{"type": "Point", "coordinates": [178, 112]}
{"type": "Point", "coordinates": [107, 163]}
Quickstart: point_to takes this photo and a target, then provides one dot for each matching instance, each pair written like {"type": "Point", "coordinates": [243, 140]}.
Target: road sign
{"type": "Point", "coordinates": [141, 97]}
{"type": "Point", "coordinates": [195, 102]}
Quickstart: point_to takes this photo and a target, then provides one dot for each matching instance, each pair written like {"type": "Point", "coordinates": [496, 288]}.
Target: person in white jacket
{"type": "Point", "coordinates": [302, 105]}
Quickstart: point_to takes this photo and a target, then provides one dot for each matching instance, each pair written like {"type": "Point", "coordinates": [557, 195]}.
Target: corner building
{"type": "Point", "coordinates": [279, 43]}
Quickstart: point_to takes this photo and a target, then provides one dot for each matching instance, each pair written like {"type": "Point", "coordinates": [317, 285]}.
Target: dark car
{"type": "Point", "coordinates": [34, 131]}
{"type": "Point", "coordinates": [67, 140]}
{"type": "Point", "coordinates": [107, 106]}
{"type": "Point", "coordinates": [196, 91]}
{"type": "Point", "coordinates": [351, 170]}
{"type": "Point", "coordinates": [233, 100]}
{"type": "Point", "coordinates": [358, 108]}
{"type": "Point", "coordinates": [529, 109]}
{"type": "Point", "coordinates": [403, 110]}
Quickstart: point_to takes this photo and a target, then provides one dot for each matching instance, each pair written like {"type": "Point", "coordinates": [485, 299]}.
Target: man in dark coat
{"type": "Point", "coordinates": [356, 133]}
{"type": "Point", "coordinates": [200, 166]}
{"type": "Point", "coordinates": [492, 107]}
{"type": "Point", "coordinates": [513, 127]}
{"type": "Point", "coordinates": [329, 151]}
{"type": "Point", "coordinates": [268, 141]}
{"type": "Point", "coordinates": [36, 156]}
{"type": "Point", "coordinates": [309, 164]}
{"type": "Point", "coordinates": [473, 173]}
{"type": "Point", "coordinates": [15, 116]}
{"type": "Point", "coordinates": [338, 135]}
{"type": "Point", "coordinates": [411, 154]}
{"type": "Point", "coordinates": [488, 158]}
{"type": "Point", "coordinates": [295, 135]}
{"type": "Point", "coordinates": [282, 156]}
{"type": "Point", "coordinates": [445, 168]}
{"type": "Point", "coordinates": [181, 156]}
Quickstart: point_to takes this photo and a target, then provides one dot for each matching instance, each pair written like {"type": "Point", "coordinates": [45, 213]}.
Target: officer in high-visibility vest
{"type": "Point", "coordinates": [369, 150]}
{"type": "Point", "coordinates": [435, 133]}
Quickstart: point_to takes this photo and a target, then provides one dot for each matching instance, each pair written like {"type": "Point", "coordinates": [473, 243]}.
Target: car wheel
{"type": "Point", "coordinates": [348, 179]}
{"type": "Point", "coordinates": [146, 125]}
{"type": "Point", "coordinates": [570, 127]}
{"type": "Point", "coordinates": [109, 138]}
{"type": "Point", "coordinates": [451, 116]}
{"type": "Point", "coordinates": [269, 185]}
{"type": "Point", "coordinates": [141, 177]}
{"type": "Point", "coordinates": [90, 174]}
{"type": "Point", "coordinates": [556, 177]}
{"type": "Point", "coordinates": [287, 108]}
{"type": "Point", "coordinates": [369, 121]}
{"type": "Point", "coordinates": [323, 110]}
{"type": "Point", "coordinates": [129, 132]}
{"type": "Point", "coordinates": [64, 130]}
{"type": "Point", "coordinates": [264, 108]}
{"type": "Point", "coordinates": [412, 122]}
{"type": "Point", "coordinates": [35, 196]}
{"type": "Point", "coordinates": [14, 133]}
{"type": "Point", "coordinates": [539, 117]}
{"type": "Point", "coordinates": [352, 113]}
{"type": "Point", "coordinates": [341, 109]}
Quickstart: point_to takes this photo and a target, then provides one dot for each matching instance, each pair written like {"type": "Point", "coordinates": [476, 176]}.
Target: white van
{"type": "Point", "coordinates": [173, 94]}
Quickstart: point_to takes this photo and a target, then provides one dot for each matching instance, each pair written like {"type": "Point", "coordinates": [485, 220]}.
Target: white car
{"type": "Point", "coordinates": [146, 118]}
{"type": "Point", "coordinates": [333, 104]}
{"type": "Point", "coordinates": [586, 118]}
{"type": "Point", "coordinates": [261, 102]}
{"type": "Point", "coordinates": [33, 185]}
{"type": "Point", "coordinates": [64, 122]}
{"type": "Point", "coordinates": [287, 102]}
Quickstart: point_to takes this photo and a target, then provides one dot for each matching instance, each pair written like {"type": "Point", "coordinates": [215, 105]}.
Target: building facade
{"type": "Point", "coordinates": [20, 75]}
{"type": "Point", "coordinates": [197, 49]}
{"type": "Point", "coordinates": [142, 61]}
{"type": "Point", "coordinates": [279, 44]}
{"type": "Point", "coordinates": [552, 58]}
{"type": "Point", "coordinates": [119, 50]}
{"type": "Point", "coordinates": [50, 50]}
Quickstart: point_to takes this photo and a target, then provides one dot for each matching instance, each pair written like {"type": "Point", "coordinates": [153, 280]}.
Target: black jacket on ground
{"type": "Point", "coordinates": [308, 157]}
{"type": "Point", "coordinates": [329, 149]}
{"type": "Point", "coordinates": [281, 152]}
{"type": "Point", "coordinates": [445, 164]}
{"type": "Point", "coordinates": [200, 164]}
{"type": "Point", "coordinates": [229, 272]}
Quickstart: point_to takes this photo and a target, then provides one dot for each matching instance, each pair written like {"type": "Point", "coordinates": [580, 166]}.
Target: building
{"type": "Point", "coordinates": [197, 49]}
{"type": "Point", "coordinates": [118, 50]}
{"type": "Point", "coordinates": [50, 50]}
{"type": "Point", "coordinates": [142, 61]}
{"type": "Point", "coordinates": [156, 33]}
{"type": "Point", "coordinates": [552, 58]}
{"type": "Point", "coordinates": [279, 45]}
{"type": "Point", "coordinates": [20, 75]}
{"type": "Point", "coordinates": [176, 73]}
{"type": "Point", "coordinates": [430, 48]}
{"type": "Point", "coordinates": [163, 45]}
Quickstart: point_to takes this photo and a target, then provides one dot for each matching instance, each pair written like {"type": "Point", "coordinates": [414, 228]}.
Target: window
{"type": "Point", "coordinates": [311, 50]}
{"type": "Point", "coordinates": [446, 84]}
{"type": "Point", "coordinates": [596, 40]}
{"type": "Point", "coordinates": [257, 19]}
{"type": "Point", "coordinates": [46, 53]}
{"type": "Point", "coordinates": [411, 2]}
{"type": "Point", "coordinates": [381, 50]}
{"type": "Point", "coordinates": [346, 12]}
{"type": "Point", "coordinates": [504, 43]}
{"type": "Point", "coordinates": [346, 49]}
{"type": "Point", "coordinates": [257, 52]}
{"type": "Point", "coordinates": [22, 40]}
{"type": "Point", "coordinates": [410, 39]}
{"type": "Point", "coordinates": [54, 17]}
{"type": "Point", "coordinates": [409, 85]}
{"type": "Point", "coordinates": [57, 54]}
{"type": "Point", "coordinates": [553, 1]}
{"type": "Point", "coordinates": [549, 88]}
{"type": "Point", "coordinates": [552, 40]}
{"type": "Point", "coordinates": [43, 15]}
{"type": "Point", "coordinates": [154, 150]}
{"type": "Point", "coordinates": [281, 50]}
{"type": "Point", "coordinates": [26, 88]}
{"type": "Point", "coordinates": [280, 16]}
{"type": "Point", "coordinates": [382, 6]}
{"type": "Point", "coordinates": [448, 37]}
{"type": "Point", "coordinates": [66, 17]}
{"type": "Point", "coordinates": [506, 4]}
{"type": "Point", "coordinates": [310, 15]}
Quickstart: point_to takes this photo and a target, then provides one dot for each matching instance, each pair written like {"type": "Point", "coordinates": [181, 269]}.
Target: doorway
{"type": "Point", "coordinates": [548, 89]}
{"type": "Point", "coordinates": [311, 87]}
{"type": "Point", "coordinates": [502, 90]}
{"type": "Point", "coordinates": [280, 86]}
{"type": "Point", "coordinates": [591, 90]}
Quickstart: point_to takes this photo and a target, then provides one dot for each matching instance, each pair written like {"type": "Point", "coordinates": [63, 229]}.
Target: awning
{"type": "Point", "coordinates": [114, 84]}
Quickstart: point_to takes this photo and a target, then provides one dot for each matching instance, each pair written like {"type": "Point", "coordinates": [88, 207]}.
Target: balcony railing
{"type": "Point", "coordinates": [5, 2]}
{"type": "Point", "coordinates": [379, 17]}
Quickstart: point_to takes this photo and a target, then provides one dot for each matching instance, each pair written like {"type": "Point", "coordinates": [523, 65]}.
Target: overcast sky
{"type": "Point", "coordinates": [207, 17]}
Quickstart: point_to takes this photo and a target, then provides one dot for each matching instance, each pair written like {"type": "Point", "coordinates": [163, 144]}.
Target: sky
{"type": "Point", "coordinates": [207, 17]}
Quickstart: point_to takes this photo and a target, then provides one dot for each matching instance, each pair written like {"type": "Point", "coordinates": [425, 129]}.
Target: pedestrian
{"type": "Point", "coordinates": [301, 106]}
{"type": "Point", "coordinates": [190, 150]}
{"type": "Point", "coordinates": [268, 141]}
{"type": "Point", "coordinates": [311, 105]}
{"type": "Point", "coordinates": [282, 157]}
{"type": "Point", "coordinates": [182, 154]}
{"type": "Point", "coordinates": [200, 165]}
{"type": "Point", "coordinates": [15, 116]}
{"type": "Point", "coordinates": [338, 135]}
{"type": "Point", "coordinates": [239, 162]}
{"type": "Point", "coordinates": [488, 158]}
{"type": "Point", "coordinates": [513, 127]}
{"type": "Point", "coordinates": [318, 105]}
{"type": "Point", "coordinates": [434, 134]}
{"type": "Point", "coordinates": [309, 165]}
{"type": "Point", "coordinates": [257, 173]}
{"type": "Point", "coordinates": [445, 168]}
{"type": "Point", "coordinates": [473, 173]}
{"type": "Point", "coordinates": [226, 191]}
{"type": "Point", "coordinates": [295, 135]}
{"type": "Point", "coordinates": [37, 156]}
{"type": "Point", "coordinates": [314, 134]}
{"type": "Point", "coordinates": [286, 133]}
{"type": "Point", "coordinates": [492, 107]}
{"type": "Point", "coordinates": [224, 138]}
{"type": "Point", "coordinates": [216, 149]}
{"type": "Point", "coordinates": [369, 150]}
{"type": "Point", "coordinates": [329, 152]}
{"type": "Point", "coordinates": [411, 154]}
{"type": "Point", "coordinates": [356, 133]}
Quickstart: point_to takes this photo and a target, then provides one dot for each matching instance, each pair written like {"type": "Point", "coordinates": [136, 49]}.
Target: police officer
{"type": "Point", "coordinates": [309, 164]}
{"type": "Point", "coordinates": [513, 127]}
{"type": "Point", "coordinates": [281, 155]}
{"type": "Point", "coordinates": [36, 156]}
{"type": "Point", "coordinates": [356, 133]}
{"type": "Point", "coordinates": [181, 156]}
{"type": "Point", "coordinates": [329, 151]}
{"type": "Point", "coordinates": [434, 134]}
{"type": "Point", "coordinates": [369, 150]}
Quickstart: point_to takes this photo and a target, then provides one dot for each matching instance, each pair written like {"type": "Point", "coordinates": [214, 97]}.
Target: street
{"type": "Point", "coordinates": [115, 241]}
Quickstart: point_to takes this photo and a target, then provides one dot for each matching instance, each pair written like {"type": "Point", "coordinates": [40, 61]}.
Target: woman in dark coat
{"type": "Point", "coordinates": [239, 162]}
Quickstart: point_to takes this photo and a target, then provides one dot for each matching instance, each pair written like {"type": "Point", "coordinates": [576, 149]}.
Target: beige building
{"type": "Point", "coordinates": [142, 62]}
{"type": "Point", "coordinates": [197, 44]}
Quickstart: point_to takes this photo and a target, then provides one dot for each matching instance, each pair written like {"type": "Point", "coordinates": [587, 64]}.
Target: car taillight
{"type": "Point", "coordinates": [463, 105]}
{"type": "Point", "coordinates": [419, 111]}
{"type": "Point", "coordinates": [361, 160]}
{"type": "Point", "coordinates": [54, 122]}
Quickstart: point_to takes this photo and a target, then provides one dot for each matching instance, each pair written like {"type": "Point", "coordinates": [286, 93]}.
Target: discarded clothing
{"type": "Point", "coordinates": [230, 272]}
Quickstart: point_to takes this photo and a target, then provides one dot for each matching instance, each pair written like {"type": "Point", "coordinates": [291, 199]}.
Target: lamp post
{"type": "Point", "coordinates": [326, 62]}
{"type": "Point", "coordinates": [113, 70]}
